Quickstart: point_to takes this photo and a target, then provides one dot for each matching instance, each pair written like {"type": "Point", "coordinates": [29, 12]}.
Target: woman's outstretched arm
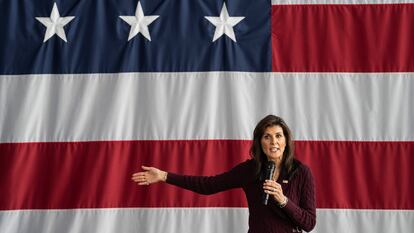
{"type": "Point", "coordinates": [233, 178]}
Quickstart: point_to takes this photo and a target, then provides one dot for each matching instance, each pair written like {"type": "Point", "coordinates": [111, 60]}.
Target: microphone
{"type": "Point", "coordinates": [269, 169]}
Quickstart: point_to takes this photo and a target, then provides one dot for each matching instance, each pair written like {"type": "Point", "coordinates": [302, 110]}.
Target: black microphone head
{"type": "Point", "coordinates": [269, 169]}
{"type": "Point", "coordinates": [270, 164]}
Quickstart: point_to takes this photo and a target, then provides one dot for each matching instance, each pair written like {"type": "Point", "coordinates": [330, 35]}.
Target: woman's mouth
{"type": "Point", "coordinates": [274, 149]}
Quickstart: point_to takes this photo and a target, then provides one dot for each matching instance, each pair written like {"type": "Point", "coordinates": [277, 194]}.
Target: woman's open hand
{"type": "Point", "coordinates": [150, 175]}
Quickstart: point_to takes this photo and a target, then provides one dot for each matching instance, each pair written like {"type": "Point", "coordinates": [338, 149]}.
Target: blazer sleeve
{"type": "Point", "coordinates": [234, 178]}
{"type": "Point", "coordinates": [304, 214]}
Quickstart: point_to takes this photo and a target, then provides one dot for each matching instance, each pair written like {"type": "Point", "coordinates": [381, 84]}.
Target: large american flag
{"type": "Point", "coordinates": [92, 90]}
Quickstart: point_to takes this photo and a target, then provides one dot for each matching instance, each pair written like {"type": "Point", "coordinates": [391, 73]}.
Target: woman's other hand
{"type": "Point", "coordinates": [275, 189]}
{"type": "Point", "coordinates": [150, 175]}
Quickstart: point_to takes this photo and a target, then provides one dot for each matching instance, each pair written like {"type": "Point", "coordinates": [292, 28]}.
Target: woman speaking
{"type": "Point", "coordinates": [280, 199]}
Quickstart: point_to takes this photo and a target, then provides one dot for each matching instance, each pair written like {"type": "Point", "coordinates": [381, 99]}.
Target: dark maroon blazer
{"type": "Point", "coordinates": [298, 186]}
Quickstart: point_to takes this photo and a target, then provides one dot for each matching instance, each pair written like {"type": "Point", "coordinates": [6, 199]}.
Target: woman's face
{"type": "Point", "coordinates": [273, 143]}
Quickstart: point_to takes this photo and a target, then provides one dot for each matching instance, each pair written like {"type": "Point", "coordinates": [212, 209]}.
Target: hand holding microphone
{"type": "Point", "coordinates": [271, 187]}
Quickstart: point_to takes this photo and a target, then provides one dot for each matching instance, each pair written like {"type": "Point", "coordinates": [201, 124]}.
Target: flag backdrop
{"type": "Point", "coordinates": [87, 95]}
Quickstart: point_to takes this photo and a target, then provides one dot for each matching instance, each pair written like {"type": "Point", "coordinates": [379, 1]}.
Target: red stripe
{"type": "Point", "coordinates": [361, 175]}
{"type": "Point", "coordinates": [343, 38]}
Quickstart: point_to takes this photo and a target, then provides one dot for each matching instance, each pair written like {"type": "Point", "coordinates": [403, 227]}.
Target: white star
{"type": "Point", "coordinates": [224, 24]}
{"type": "Point", "coordinates": [139, 23]}
{"type": "Point", "coordinates": [54, 24]}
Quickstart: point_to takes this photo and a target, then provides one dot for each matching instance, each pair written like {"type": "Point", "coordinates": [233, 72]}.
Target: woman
{"type": "Point", "coordinates": [291, 206]}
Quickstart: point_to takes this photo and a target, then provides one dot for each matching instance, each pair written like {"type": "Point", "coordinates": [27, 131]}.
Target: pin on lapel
{"type": "Point", "coordinates": [285, 181]}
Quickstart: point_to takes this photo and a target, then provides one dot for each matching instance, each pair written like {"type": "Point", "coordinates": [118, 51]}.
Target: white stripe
{"type": "Point", "coordinates": [156, 220]}
{"type": "Point", "coordinates": [190, 220]}
{"type": "Point", "coordinates": [357, 2]}
{"type": "Point", "coordinates": [347, 221]}
{"type": "Point", "coordinates": [211, 105]}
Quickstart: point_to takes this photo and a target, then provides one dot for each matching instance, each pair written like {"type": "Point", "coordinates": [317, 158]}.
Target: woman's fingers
{"type": "Point", "coordinates": [141, 179]}
{"type": "Point", "coordinates": [272, 190]}
{"type": "Point", "coordinates": [138, 175]}
{"type": "Point", "coordinates": [150, 175]}
{"type": "Point", "coordinates": [272, 187]}
{"type": "Point", "coordinates": [146, 177]}
{"type": "Point", "coordinates": [275, 189]}
{"type": "Point", "coordinates": [144, 183]}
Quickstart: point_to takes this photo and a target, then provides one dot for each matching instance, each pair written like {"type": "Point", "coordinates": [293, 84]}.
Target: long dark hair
{"type": "Point", "coordinates": [256, 151]}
